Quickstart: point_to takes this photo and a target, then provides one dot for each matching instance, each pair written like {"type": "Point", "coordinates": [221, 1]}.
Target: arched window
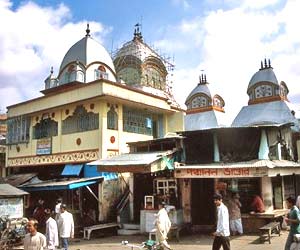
{"type": "Point", "coordinates": [112, 119]}
{"type": "Point", "coordinates": [100, 73]}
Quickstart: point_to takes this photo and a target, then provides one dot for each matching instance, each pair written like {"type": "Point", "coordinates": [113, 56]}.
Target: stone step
{"type": "Point", "coordinates": [128, 232]}
{"type": "Point", "coordinates": [130, 226]}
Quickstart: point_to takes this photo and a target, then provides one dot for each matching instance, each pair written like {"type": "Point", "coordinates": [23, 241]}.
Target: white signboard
{"type": "Point", "coordinates": [220, 172]}
{"type": "Point", "coordinates": [13, 207]}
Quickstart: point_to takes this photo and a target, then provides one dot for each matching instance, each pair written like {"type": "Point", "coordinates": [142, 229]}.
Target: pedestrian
{"type": "Point", "coordinates": [292, 219]}
{"type": "Point", "coordinates": [235, 218]}
{"type": "Point", "coordinates": [65, 226]}
{"type": "Point", "coordinates": [57, 208]}
{"type": "Point", "coordinates": [163, 225]}
{"type": "Point", "coordinates": [39, 214]}
{"type": "Point", "coordinates": [221, 235]}
{"type": "Point", "coordinates": [257, 204]}
{"type": "Point", "coordinates": [51, 231]}
{"type": "Point", "coordinates": [33, 239]}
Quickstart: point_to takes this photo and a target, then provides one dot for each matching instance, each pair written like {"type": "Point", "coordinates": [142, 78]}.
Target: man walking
{"type": "Point", "coordinates": [293, 220]}
{"type": "Point", "coordinates": [222, 233]}
{"type": "Point", "coordinates": [65, 226]}
{"type": "Point", "coordinates": [34, 240]}
{"type": "Point", "coordinates": [235, 218]}
{"type": "Point", "coordinates": [163, 225]}
{"type": "Point", "coordinates": [51, 231]}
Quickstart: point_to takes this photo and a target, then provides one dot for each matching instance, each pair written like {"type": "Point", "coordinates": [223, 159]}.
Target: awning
{"type": "Point", "coordinates": [60, 184]}
{"type": "Point", "coordinates": [7, 190]}
{"type": "Point", "coordinates": [145, 162]}
{"type": "Point", "coordinates": [19, 179]}
{"type": "Point", "coordinates": [72, 170]}
{"type": "Point", "coordinates": [254, 168]}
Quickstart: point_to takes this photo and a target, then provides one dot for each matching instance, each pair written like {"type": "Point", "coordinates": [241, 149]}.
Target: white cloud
{"type": "Point", "coordinates": [32, 39]}
{"type": "Point", "coordinates": [233, 41]}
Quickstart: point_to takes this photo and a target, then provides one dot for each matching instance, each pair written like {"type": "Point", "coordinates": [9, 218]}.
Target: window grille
{"type": "Point", "coordinates": [80, 121]}
{"type": "Point", "coordinates": [112, 119]}
{"type": "Point", "coordinates": [136, 121]}
{"type": "Point", "coordinates": [18, 130]}
{"type": "Point", "coordinates": [45, 128]}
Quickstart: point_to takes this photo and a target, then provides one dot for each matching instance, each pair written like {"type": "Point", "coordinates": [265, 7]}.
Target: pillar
{"type": "Point", "coordinates": [185, 186]}
{"type": "Point", "coordinates": [267, 193]}
{"type": "Point", "coordinates": [263, 153]}
{"type": "Point", "coordinates": [131, 196]}
{"type": "Point", "coordinates": [216, 148]}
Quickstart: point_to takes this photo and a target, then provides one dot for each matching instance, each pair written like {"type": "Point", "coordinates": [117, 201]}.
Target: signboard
{"type": "Point", "coordinates": [13, 207]}
{"type": "Point", "coordinates": [220, 172]}
{"type": "Point", "coordinates": [44, 146]}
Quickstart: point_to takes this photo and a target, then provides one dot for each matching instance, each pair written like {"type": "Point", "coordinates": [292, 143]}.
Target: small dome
{"type": "Point", "coordinates": [201, 88]}
{"type": "Point", "coordinates": [265, 74]}
{"type": "Point", "coordinates": [87, 51]}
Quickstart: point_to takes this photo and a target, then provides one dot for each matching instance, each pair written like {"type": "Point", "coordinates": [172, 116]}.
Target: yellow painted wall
{"type": "Point", "coordinates": [175, 122]}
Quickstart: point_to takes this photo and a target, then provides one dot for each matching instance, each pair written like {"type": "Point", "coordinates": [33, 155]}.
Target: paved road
{"type": "Point", "coordinates": [191, 242]}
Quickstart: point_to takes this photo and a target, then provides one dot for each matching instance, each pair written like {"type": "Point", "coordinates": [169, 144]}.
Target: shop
{"type": "Point", "coordinates": [273, 181]}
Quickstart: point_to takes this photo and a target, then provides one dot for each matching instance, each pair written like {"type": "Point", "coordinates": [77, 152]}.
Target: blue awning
{"type": "Point", "coordinates": [91, 171]}
{"type": "Point", "coordinates": [60, 184]}
{"type": "Point", "coordinates": [72, 170]}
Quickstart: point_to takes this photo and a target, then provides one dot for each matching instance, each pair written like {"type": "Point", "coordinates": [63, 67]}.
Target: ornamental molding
{"type": "Point", "coordinates": [54, 159]}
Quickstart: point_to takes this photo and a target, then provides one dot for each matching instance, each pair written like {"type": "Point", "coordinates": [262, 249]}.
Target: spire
{"type": "Point", "coordinates": [51, 70]}
{"type": "Point", "coordinates": [88, 30]}
{"type": "Point", "coordinates": [265, 64]}
{"type": "Point", "coordinates": [137, 35]}
{"type": "Point", "coordinates": [202, 79]}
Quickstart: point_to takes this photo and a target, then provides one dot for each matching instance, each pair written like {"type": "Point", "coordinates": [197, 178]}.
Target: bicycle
{"type": "Point", "coordinates": [12, 232]}
{"type": "Point", "coordinates": [149, 245]}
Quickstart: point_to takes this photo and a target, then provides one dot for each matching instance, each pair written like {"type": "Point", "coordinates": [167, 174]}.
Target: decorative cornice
{"type": "Point", "coordinates": [267, 99]}
{"type": "Point", "coordinates": [54, 159]}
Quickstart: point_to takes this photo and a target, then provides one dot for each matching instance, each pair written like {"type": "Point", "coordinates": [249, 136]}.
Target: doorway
{"type": "Point", "coordinates": [203, 209]}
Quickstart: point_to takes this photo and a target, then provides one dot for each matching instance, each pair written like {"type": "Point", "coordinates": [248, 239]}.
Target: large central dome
{"type": "Point", "coordinates": [87, 51]}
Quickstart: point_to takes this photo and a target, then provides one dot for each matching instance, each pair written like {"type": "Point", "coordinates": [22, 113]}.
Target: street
{"type": "Point", "coordinates": [187, 242]}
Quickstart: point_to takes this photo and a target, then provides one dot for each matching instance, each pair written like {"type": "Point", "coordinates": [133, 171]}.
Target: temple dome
{"type": "Point", "coordinates": [265, 74]}
{"type": "Point", "coordinates": [87, 51]}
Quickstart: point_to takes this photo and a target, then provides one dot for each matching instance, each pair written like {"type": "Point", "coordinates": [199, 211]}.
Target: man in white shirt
{"type": "Point", "coordinates": [222, 233]}
{"type": "Point", "coordinates": [34, 240]}
{"type": "Point", "coordinates": [51, 231]}
{"type": "Point", "coordinates": [65, 226]}
{"type": "Point", "coordinates": [163, 225]}
{"type": "Point", "coordinates": [57, 208]}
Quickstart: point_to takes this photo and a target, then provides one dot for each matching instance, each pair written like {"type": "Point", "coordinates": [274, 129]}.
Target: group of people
{"type": "Point", "coordinates": [62, 226]}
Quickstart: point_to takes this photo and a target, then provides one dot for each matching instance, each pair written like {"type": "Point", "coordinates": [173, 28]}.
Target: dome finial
{"type": "Point", "coordinates": [137, 32]}
{"type": "Point", "coordinates": [266, 65]}
{"type": "Point", "coordinates": [269, 62]}
{"type": "Point", "coordinates": [88, 30]}
{"type": "Point", "coordinates": [261, 65]}
{"type": "Point", "coordinates": [51, 70]}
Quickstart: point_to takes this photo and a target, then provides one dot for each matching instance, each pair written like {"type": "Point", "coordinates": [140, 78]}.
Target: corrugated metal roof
{"type": "Point", "coordinates": [245, 164]}
{"type": "Point", "coordinates": [18, 179]}
{"type": "Point", "coordinates": [132, 159]}
{"type": "Point", "coordinates": [269, 113]}
{"type": "Point", "coordinates": [9, 190]}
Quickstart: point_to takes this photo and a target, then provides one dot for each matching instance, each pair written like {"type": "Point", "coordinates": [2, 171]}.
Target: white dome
{"type": "Point", "coordinates": [201, 88]}
{"type": "Point", "coordinates": [87, 51]}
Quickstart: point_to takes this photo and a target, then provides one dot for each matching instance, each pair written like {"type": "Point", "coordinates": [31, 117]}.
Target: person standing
{"type": "Point", "coordinates": [293, 219]}
{"type": "Point", "coordinates": [235, 218]}
{"type": "Point", "coordinates": [163, 225]}
{"type": "Point", "coordinates": [57, 208]}
{"type": "Point", "coordinates": [34, 240]}
{"type": "Point", "coordinates": [65, 226]}
{"type": "Point", "coordinates": [221, 236]}
{"type": "Point", "coordinates": [257, 204]}
{"type": "Point", "coordinates": [51, 231]}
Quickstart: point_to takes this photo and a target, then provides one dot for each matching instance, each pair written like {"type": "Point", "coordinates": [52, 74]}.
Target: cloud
{"type": "Point", "coordinates": [232, 43]}
{"type": "Point", "coordinates": [31, 42]}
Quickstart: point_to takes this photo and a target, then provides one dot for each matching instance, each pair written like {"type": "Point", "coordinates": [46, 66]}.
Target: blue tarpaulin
{"type": "Point", "coordinates": [72, 170]}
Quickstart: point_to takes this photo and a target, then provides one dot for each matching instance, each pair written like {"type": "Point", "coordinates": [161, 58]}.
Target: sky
{"type": "Point", "coordinates": [224, 39]}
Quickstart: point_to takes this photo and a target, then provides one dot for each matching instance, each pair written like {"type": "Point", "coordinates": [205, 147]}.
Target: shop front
{"type": "Point", "coordinates": [268, 179]}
